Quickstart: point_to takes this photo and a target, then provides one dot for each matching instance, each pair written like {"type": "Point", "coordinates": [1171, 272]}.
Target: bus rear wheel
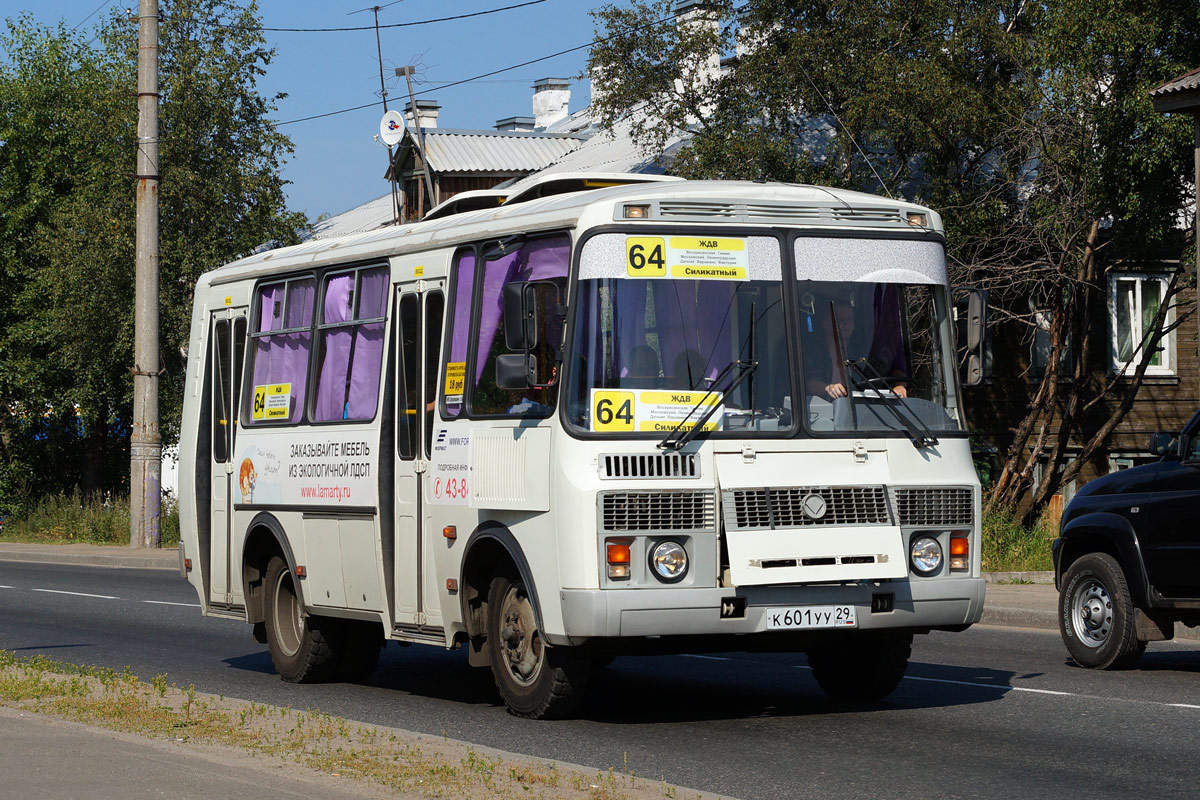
{"type": "Point", "coordinates": [861, 668]}
{"type": "Point", "coordinates": [536, 681]}
{"type": "Point", "coordinates": [303, 649]}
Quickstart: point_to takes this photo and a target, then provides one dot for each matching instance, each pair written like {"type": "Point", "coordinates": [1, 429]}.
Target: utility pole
{"type": "Point", "coordinates": [145, 446]}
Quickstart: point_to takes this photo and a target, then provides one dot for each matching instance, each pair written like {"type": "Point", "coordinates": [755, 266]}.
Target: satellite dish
{"type": "Point", "coordinates": [391, 127]}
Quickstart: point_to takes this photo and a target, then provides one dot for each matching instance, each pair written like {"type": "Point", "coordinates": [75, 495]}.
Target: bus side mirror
{"type": "Point", "coordinates": [970, 326]}
{"type": "Point", "coordinates": [521, 314]}
{"type": "Point", "coordinates": [516, 371]}
{"type": "Point", "coordinates": [1164, 443]}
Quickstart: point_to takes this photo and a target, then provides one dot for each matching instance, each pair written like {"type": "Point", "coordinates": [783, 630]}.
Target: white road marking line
{"type": "Point", "coordinates": [78, 594]}
{"type": "Point", "coordinates": [1182, 705]}
{"type": "Point", "coordinates": [1004, 686]}
{"type": "Point", "coordinates": [166, 603]}
{"type": "Point", "coordinates": [706, 658]}
{"type": "Point", "coordinates": [5, 587]}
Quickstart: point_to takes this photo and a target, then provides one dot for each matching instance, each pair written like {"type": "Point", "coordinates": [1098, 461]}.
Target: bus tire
{"type": "Point", "coordinates": [861, 668]}
{"type": "Point", "coordinates": [361, 644]}
{"type": "Point", "coordinates": [536, 681]}
{"type": "Point", "coordinates": [303, 649]}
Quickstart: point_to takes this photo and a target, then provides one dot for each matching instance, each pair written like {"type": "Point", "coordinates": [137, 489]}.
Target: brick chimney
{"type": "Point", "coordinates": [551, 96]}
{"type": "Point", "coordinates": [427, 113]}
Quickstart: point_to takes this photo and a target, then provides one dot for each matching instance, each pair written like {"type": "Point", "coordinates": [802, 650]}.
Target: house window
{"type": "Point", "coordinates": [1133, 302]}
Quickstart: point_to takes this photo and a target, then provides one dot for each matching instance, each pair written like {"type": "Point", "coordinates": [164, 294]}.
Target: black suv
{"type": "Point", "coordinates": [1127, 560]}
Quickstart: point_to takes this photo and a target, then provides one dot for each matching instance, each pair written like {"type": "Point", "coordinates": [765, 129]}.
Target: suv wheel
{"type": "Point", "coordinates": [1096, 615]}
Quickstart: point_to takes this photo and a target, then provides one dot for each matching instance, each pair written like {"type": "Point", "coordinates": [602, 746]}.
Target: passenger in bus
{"type": "Point", "coordinates": [643, 362]}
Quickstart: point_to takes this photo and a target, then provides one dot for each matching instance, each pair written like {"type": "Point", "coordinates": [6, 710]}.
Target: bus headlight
{"type": "Point", "coordinates": [925, 554]}
{"type": "Point", "coordinates": [669, 561]}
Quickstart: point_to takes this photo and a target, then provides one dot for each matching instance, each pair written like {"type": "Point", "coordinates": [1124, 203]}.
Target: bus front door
{"type": "Point", "coordinates": [420, 308]}
{"type": "Point", "coordinates": [227, 343]}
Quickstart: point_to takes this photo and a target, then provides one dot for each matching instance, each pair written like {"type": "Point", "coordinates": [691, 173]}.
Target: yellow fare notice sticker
{"type": "Point", "coordinates": [272, 401]}
{"type": "Point", "coordinates": [629, 410]}
{"type": "Point", "coordinates": [456, 381]}
{"type": "Point", "coordinates": [690, 257]}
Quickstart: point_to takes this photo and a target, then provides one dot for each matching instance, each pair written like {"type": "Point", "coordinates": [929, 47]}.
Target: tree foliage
{"type": "Point", "coordinates": [1027, 124]}
{"type": "Point", "coordinates": [68, 118]}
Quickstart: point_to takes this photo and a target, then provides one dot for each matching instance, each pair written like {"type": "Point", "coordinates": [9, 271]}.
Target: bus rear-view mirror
{"type": "Point", "coordinates": [516, 371]}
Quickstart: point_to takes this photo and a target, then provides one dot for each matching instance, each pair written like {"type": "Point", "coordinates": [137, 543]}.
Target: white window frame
{"type": "Point", "coordinates": [1135, 319]}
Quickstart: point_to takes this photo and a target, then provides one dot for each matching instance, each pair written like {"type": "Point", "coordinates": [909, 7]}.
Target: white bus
{"type": "Point", "coordinates": [614, 415]}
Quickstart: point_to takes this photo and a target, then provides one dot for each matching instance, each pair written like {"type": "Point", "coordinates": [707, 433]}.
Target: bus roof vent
{"type": "Point", "coordinates": [697, 210]}
{"type": "Point", "coordinates": [783, 213]}
{"type": "Point", "coordinates": [848, 213]}
{"type": "Point", "coordinates": [671, 466]}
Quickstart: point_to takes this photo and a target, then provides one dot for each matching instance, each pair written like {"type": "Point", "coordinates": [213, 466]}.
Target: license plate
{"type": "Point", "coordinates": [810, 617]}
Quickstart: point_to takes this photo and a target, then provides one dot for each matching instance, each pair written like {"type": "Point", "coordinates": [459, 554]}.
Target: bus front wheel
{"type": "Point", "coordinates": [302, 648]}
{"type": "Point", "coordinates": [535, 680]}
{"type": "Point", "coordinates": [861, 668]}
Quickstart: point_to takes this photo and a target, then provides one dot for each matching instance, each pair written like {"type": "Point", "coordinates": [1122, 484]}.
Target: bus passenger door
{"type": "Point", "coordinates": [418, 343]}
{"type": "Point", "coordinates": [227, 344]}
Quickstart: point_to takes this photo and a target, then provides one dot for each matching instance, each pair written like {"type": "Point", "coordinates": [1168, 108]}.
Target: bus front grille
{"type": "Point", "coordinates": [938, 506]}
{"type": "Point", "coordinates": [657, 511]}
{"type": "Point", "coordinates": [804, 506]}
{"type": "Point", "coordinates": [649, 465]}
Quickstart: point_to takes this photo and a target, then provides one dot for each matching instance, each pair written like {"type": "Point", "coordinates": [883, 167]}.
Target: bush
{"type": "Point", "coordinates": [1009, 546]}
{"type": "Point", "coordinates": [67, 518]}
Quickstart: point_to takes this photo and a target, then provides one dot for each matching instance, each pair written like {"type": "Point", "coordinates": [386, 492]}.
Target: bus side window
{"type": "Point", "coordinates": [460, 337]}
{"type": "Point", "coordinates": [543, 259]}
{"type": "Point", "coordinates": [280, 342]}
{"type": "Point", "coordinates": [407, 401]}
{"type": "Point", "coordinates": [351, 330]}
{"type": "Point", "coordinates": [435, 308]}
{"type": "Point", "coordinates": [222, 418]}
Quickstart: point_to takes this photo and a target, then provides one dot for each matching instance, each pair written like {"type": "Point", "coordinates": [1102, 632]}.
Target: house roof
{"type": "Point", "coordinates": [370, 216]}
{"type": "Point", "coordinates": [1178, 94]}
{"type": "Point", "coordinates": [457, 151]}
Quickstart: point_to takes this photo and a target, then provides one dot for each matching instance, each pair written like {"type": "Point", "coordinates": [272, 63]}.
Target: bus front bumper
{"type": "Point", "coordinates": [670, 611]}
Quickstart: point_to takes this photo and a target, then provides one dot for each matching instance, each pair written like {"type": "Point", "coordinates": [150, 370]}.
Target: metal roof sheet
{"type": "Point", "coordinates": [1185, 82]}
{"type": "Point", "coordinates": [494, 151]}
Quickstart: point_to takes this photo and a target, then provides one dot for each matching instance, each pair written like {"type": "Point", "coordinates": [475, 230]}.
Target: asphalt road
{"type": "Point", "coordinates": [993, 712]}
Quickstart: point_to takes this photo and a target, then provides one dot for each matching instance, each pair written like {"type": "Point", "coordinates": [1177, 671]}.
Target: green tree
{"type": "Point", "coordinates": [67, 145]}
{"type": "Point", "coordinates": [1027, 124]}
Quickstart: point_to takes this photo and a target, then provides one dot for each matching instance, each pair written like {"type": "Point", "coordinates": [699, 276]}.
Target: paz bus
{"type": "Point", "coordinates": [610, 415]}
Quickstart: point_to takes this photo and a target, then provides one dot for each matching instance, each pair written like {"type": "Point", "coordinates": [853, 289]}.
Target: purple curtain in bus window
{"type": "Point", "coordinates": [538, 260]}
{"type": "Point", "coordinates": [335, 349]}
{"type": "Point", "coordinates": [461, 336]}
{"type": "Point", "coordinates": [270, 309]}
{"type": "Point", "coordinates": [887, 346]}
{"type": "Point", "coordinates": [301, 296]}
{"type": "Point", "coordinates": [372, 288]}
{"type": "Point", "coordinates": [283, 358]}
{"type": "Point", "coordinates": [364, 371]}
{"type": "Point", "coordinates": [690, 315]}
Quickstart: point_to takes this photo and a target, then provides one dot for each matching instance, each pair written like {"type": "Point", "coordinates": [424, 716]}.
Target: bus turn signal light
{"type": "Point", "coordinates": [450, 532]}
{"type": "Point", "coordinates": [960, 553]}
{"type": "Point", "coordinates": [618, 558]}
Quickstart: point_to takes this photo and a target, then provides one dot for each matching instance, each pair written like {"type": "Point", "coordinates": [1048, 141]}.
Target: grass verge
{"type": "Point", "coordinates": [69, 519]}
{"type": "Point", "coordinates": [1009, 546]}
{"type": "Point", "coordinates": [397, 761]}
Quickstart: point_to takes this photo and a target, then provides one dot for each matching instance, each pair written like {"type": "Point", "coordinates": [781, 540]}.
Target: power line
{"type": "Point", "coordinates": [391, 25]}
{"type": "Point", "coordinates": [484, 75]}
{"type": "Point", "coordinates": [89, 16]}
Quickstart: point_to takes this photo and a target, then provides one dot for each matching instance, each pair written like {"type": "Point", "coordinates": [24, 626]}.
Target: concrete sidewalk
{"type": "Point", "coordinates": [1018, 605]}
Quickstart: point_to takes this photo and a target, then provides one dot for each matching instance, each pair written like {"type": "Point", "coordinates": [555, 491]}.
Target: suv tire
{"type": "Point", "coordinates": [1096, 615]}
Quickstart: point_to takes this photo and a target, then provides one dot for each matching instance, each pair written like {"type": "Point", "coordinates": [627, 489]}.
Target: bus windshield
{"type": "Point", "coordinates": [876, 357]}
{"type": "Point", "coordinates": [652, 352]}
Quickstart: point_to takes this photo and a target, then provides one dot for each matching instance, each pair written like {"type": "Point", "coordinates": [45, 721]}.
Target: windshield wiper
{"type": "Point", "coordinates": [676, 440]}
{"type": "Point", "coordinates": [920, 435]}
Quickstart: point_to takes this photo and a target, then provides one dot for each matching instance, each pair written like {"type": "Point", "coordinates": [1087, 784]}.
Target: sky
{"type": "Point", "coordinates": [337, 164]}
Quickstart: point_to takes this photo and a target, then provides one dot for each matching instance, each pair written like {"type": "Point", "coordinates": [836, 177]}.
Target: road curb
{"type": "Point", "coordinates": [126, 560]}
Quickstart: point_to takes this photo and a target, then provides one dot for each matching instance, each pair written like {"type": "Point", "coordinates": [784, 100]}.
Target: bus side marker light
{"type": "Point", "coordinates": [450, 532]}
{"type": "Point", "coordinates": [301, 572]}
{"type": "Point", "coordinates": [451, 585]}
{"type": "Point", "coordinates": [960, 551]}
{"type": "Point", "coordinates": [187, 564]}
{"type": "Point", "coordinates": [618, 558]}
